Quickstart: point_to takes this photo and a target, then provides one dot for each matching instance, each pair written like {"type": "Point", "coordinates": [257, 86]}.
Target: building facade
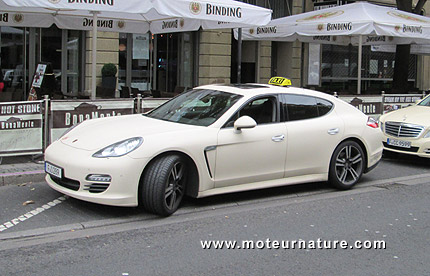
{"type": "Point", "coordinates": [176, 61]}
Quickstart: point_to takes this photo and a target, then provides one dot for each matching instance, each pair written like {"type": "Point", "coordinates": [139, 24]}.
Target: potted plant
{"type": "Point", "coordinates": [108, 75]}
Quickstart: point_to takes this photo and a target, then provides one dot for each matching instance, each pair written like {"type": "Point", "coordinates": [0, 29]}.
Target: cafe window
{"type": "Point", "coordinates": [13, 48]}
{"type": "Point", "coordinates": [339, 69]}
{"type": "Point", "coordinates": [23, 48]}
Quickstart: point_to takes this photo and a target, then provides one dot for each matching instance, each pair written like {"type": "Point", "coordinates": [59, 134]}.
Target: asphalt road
{"type": "Point", "coordinates": [76, 238]}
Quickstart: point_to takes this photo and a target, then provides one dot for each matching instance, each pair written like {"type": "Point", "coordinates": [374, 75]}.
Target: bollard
{"type": "Point", "coordinates": [139, 103]}
{"type": "Point", "coordinates": [46, 122]}
{"type": "Point", "coordinates": [335, 94]}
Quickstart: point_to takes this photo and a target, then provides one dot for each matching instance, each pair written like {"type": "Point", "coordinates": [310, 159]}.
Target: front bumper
{"type": "Point", "coordinates": [76, 164]}
{"type": "Point", "coordinates": [419, 146]}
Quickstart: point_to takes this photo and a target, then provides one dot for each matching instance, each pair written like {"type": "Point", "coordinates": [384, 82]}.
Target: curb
{"type": "Point", "coordinates": [15, 178]}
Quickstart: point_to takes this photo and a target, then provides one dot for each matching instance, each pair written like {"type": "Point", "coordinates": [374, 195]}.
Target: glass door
{"type": "Point", "coordinates": [175, 61]}
{"type": "Point", "coordinates": [167, 62]}
{"type": "Point", "coordinates": [164, 62]}
{"type": "Point", "coordinates": [73, 63]}
{"type": "Point", "coordinates": [134, 62]}
{"type": "Point", "coordinates": [51, 48]}
{"type": "Point", "coordinates": [122, 60]}
{"type": "Point", "coordinates": [140, 62]}
{"type": "Point", "coordinates": [186, 64]}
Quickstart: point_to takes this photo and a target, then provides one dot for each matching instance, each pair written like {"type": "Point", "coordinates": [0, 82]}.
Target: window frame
{"type": "Point", "coordinates": [275, 97]}
{"type": "Point", "coordinates": [283, 104]}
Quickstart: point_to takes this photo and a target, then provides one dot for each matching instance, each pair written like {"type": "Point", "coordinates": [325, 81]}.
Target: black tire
{"type": "Point", "coordinates": [346, 165]}
{"type": "Point", "coordinates": [163, 185]}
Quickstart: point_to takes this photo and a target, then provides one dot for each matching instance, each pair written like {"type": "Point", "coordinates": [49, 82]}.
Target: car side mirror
{"type": "Point", "coordinates": [244, 122]}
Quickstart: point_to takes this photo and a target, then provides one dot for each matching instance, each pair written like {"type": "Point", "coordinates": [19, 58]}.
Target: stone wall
{"type": "Point", "coordinates": [107, 52]}
{"type": "Point", "coordinates": [265, 62]}
{"type": "Point", "coordinates": [214, 56]}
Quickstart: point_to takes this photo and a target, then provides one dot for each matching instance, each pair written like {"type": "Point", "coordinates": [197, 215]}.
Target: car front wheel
{"type": "Point", "coordinates": [163, 185]}
{"type": "Point", "coordinates": [346, 165]}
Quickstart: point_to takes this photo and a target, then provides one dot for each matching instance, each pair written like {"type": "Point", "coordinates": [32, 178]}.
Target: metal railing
{"type": "Point", "coordinates": [28, 127]}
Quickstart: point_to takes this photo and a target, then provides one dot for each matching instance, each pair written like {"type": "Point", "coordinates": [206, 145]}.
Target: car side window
{"type": "Point", "coordinates": [324, 107]}
{"type": "Point", "coordinates": [301, 107]}
{"type": "Point", "coordinates": [262, 110]}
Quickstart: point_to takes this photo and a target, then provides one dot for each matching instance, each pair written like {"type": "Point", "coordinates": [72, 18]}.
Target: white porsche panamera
{"type": "Point", "coordinates": [211, 140]}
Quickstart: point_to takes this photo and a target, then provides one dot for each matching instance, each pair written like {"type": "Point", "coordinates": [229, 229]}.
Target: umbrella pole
{"type": "Point", "coordinates": [94, 57]}
{"type": "Point", "coordinates": [360, 52]}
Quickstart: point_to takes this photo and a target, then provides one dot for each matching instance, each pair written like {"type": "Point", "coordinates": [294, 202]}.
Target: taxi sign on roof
{"type": "Point", "coordinates": [280, 81]}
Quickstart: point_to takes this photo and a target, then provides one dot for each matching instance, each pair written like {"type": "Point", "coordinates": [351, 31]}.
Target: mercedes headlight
{"type": "Point", "coordinates": [119, 149]}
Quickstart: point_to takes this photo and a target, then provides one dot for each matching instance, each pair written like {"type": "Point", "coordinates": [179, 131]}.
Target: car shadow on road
{"type": "Point", "coordinates": [96, 211]}
{"type": "Point", "coordinates": [99, 211]}
{"type": "Point", "coordinates": [406, 159]}
{"type": "Point", "coordinates": [259, 195]}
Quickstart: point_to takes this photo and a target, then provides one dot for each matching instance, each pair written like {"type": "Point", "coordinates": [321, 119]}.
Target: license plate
{"type": "Point", "coordinates": [399, 143]}
{"type": "Point", "coordinates": [53, 170]}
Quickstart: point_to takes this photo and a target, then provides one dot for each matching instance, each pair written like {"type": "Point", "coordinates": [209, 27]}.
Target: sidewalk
{"type": "Point", "coordinates": [20, 170]}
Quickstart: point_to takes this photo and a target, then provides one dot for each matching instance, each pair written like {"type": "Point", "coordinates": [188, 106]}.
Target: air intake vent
{"type": "Point", "coordinates": [96, 187]}
{"type": "Point", "coordinates": [67, 183]}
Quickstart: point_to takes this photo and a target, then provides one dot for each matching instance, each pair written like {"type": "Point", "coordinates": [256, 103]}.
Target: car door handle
{"type": "Point", "coordinates": [278, 138]}
{"type": "Point", "coordinates": [333, 131]}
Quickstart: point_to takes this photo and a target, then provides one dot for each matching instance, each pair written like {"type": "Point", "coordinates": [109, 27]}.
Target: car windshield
{"type": "Point", "coordinates": [425, 102]}
{"type": "Point", "coordinates": [201, 107]}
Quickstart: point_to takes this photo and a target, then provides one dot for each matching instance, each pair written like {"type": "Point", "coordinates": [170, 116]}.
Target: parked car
{"type": "Point", "coordinates": [407, 130]}
{"type": "Point", "coordinates": [212, 140]}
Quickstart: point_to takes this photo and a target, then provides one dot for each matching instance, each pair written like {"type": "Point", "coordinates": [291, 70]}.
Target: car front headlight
{"type": "Point", "coordinates": [119, 149]}
{"type": "Point", "coordinates": [427, 134]}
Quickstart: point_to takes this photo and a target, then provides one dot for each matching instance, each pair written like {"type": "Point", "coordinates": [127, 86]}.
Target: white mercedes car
{"type": "Point", "coordinates": [212, 140]}
{"type": "Point", "coordinates": [407, 130]}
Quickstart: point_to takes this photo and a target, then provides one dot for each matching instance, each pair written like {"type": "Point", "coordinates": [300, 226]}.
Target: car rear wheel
{"type": "Point", "coordinates": [346, 165]}
{"type": "Point", "coordinates": [163, 185]}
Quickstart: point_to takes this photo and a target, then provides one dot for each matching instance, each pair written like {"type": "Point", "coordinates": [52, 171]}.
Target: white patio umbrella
{"type": "Point", "coordinates": [44, 18]}
{"type": "Point", "coordinates": [24, 17]}
{"type": "Point", "coordinates": [203, 13]}
{"type": "Point", "coordinates": [359, 23]}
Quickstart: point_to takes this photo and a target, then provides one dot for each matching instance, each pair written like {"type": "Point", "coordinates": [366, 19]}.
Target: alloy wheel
{"type": "Point", "coordinates": [175, 186]}
{"type": "Point", "coordinates": [349, 164]}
